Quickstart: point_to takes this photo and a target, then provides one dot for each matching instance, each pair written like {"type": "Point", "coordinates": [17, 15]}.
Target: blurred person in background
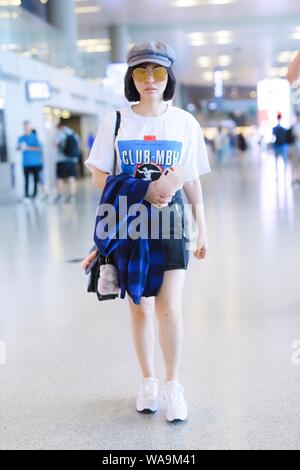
{"type": "Point", "coordinates": [232, 141]}
{"type": "Point", "coordinates": [68, 155]}
{"type": "Point", "coordinates": [218, 144]}
{"type": "Point", "coordinates": [223, 145]}
{"type": "Point", "coordinates": [242, 145]}
{"type": "Point", "coordinates": [31, 149]}
{"type": "Point", "coordinates": [280, 144]}
{"type": "Point", "coordinates": [42, 179]}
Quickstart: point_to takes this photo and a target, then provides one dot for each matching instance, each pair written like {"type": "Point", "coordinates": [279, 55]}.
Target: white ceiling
{"type": "Point", "coordinates": [259, 31]}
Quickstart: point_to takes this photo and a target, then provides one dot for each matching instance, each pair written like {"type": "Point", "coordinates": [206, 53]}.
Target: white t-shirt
{"type": "Point", "coordinates": [146, 146]}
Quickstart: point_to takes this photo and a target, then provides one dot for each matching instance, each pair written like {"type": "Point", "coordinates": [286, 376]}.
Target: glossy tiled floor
{"type": "Point", "coordinates": [71, 375]}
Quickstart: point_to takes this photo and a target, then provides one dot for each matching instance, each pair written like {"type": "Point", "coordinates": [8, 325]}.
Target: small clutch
{"type": "Point", "coordinates": [94, 272]}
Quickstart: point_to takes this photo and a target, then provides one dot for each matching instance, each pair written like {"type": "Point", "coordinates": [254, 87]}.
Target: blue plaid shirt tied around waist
{"type": "Point", "coordinates": [140, 262]}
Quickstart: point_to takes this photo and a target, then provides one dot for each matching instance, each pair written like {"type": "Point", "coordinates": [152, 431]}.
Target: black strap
{"type": "Point", "coordinates": [118, 123]}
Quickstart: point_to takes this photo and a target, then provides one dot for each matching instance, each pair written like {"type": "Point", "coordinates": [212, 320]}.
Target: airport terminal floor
{"type": "Point", "coordinates": [71, 376]}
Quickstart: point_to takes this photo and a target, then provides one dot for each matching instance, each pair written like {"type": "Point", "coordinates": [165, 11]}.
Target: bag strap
{"type": "Point", "coordinates": [118, 123]}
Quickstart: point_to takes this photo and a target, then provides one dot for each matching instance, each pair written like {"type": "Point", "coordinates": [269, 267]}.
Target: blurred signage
{"type": "Point", "coordinates": [38, 90]}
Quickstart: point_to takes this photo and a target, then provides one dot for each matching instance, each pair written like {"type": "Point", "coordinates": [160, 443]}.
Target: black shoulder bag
{"type": "Point", "coordinates": [93, 270]}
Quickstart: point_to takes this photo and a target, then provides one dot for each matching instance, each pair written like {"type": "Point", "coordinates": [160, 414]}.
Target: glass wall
{"type": "Point", "coordinates": [25, 33]}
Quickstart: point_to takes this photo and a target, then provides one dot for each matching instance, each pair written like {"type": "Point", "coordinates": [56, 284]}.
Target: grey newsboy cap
{"type": "Point", "coordinates": [154, 51]}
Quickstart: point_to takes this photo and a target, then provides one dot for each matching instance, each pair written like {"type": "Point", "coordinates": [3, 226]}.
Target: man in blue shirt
{"type": "Point", "coordinates": [31, 149]}
{"type": "Point", "coordinates": [280, 145]}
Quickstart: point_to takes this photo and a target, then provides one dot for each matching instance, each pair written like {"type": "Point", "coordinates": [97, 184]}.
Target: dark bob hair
{"type": "Point", "coordinates": [131, 92]}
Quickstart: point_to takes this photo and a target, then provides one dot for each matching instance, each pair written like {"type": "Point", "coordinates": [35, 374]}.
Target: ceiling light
{"type": "Point", "coordinates": [221, 61]}
{"type": "Point", "coordinates": [87, 10]}
{"type": "Point", "coordinates": [184, 3]}
{"type": "Point", "coordinates": [6, 15]}
{"type": "Point", "coordinates": [226, 75]}
{"type": "Point", "coordinates": [204, 62]}
{"type": "Point", "coordinates": [92, 42]}
{"type": "Point", "coordinates": [10, 3]}
{"type": "Point", "coordinates": [66, 114]}
{"type": "Point", "coordinates": [223, 37]}
{"type": "Point", "coordinates": [196, 39]}
{"type": "Point", "coordinates": [208, 76]}
{"type": "Point", "coordinates": [96, 49]}
{"type": "Point", "coordinates": [56, 112]}
{"type": "Point", "coordinates": [94, 45]}
{"type": "Point", "coordinates": [286, 56]}
{"type": "Point", "coordinates": [196, 3]}
{"type": "Point", "coordinates": [224, 60]}
{"type": "Point", "coordinates": [278, 72]}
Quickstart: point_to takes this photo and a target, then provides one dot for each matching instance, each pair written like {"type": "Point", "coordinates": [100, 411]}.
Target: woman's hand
{"type": "Point", "coordinates": [85, 263]}
{"type": "Point", "coordinates": [202, 243]}
{"type": "Point", "coordinates": [154, 196]}
{"type": "Point", "coordinates": [193, 192]}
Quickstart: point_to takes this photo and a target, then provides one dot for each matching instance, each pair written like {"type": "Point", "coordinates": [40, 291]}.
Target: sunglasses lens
{"type": "Point", "coordinates": [160, 74]}
{"type": "Point", "coordinates": [140, 75]}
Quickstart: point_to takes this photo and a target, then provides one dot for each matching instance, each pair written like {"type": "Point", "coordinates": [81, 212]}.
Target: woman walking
{"type": "Point", "coordinates": [153, 135]}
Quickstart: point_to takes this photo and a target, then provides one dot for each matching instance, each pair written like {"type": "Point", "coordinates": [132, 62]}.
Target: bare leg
{"type": "Point", "coordinates": [60, 186]}
{"type": "Point", "coordinates": [142, 323]}
{"type": "Point", "coordinates": [72, 186]}
{"type": "Point", "coordinates": [296, 172]}
{"type": "Point", "coordinates": [168, 306]}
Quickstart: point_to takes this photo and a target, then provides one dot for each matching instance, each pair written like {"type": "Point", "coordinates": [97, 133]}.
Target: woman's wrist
{"type": "Point", "coordinates": [200, 216]}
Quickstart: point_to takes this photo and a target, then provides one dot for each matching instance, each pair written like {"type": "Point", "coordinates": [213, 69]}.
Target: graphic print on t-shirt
{"type": "Point", "coordinates": [147, 159]}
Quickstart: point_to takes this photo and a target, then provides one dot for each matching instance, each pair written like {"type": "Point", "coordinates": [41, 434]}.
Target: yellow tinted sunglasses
{"type": "Point", "coordinates": [159, 74]}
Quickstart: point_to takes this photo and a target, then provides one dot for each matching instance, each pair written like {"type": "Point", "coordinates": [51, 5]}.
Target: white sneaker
{"type": "Point", "coordinates": [147, 398]}
{"type": "Point", "coordinates": [176, 404]}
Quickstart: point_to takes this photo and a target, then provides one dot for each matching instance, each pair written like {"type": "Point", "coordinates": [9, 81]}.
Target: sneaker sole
{"type": "Point", "coordinates": [181, 419]}
{"type": "Point", "coordinates": [173, 417]}
{"type": "Point", "coordinates": [147, 411]}
{"type": "Point", "coordinates": [146, 408]}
